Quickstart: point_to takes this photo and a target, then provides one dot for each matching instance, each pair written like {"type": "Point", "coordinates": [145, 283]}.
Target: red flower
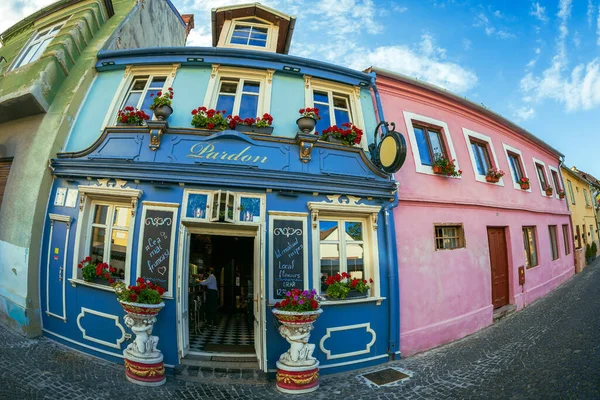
{"type": "Point", "coordinates": [302, 110]}
{"type": "Point", "coordinates": [151, 94]}
{"type": "Point", "coordinates": [169, 89]}
{"type": "Point", "coordinates": [370, 280]}
{"type": "Point", "coordinates": [210, 125]}
{"type": "Point", "coordinates": [159, 94]}
{"type": "Point", "coordinates": [314, 304]}
{"type": "Point", "coordinates": [140, 280]}
{"type": "Point", "coordinates": [88, 259]}
{"type": "Point", "coordinates": [79, 265]}
{"type": "Point", "coordinates": [133, 297]}
{"type": "Point", "coordinates": [194, 112]}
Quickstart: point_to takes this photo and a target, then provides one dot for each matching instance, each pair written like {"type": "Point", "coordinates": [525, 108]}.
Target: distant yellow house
{"type": "Point", "coordinates": [595, 190]}
{"type": "Point", "coordinates": [581, 203]}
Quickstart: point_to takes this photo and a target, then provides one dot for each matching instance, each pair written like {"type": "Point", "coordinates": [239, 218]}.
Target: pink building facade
{"type": "Point", "coordinates": [462, 240]}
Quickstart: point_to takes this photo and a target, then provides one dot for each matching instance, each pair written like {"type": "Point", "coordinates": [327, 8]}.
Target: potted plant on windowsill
{"type": "Point", "coordinates": [98, 272]}
{"type": "Point", "coordinates": [343, 286]}
{"type": "Point", "coordinates": [524, 183]}
{"type": "Point", "coordinates": [131, 116]}
{"type": "Point", "coordinates": [308, 119]}
{"type": "Point", "coordinates": [210, 119]}
{"type": "Point", "coordinates": [561, 194]}
{"type": "Point", "coordinates": [253, 125]}
{"type": "Point", "coordinates": [493, 175]}
{"type": "Point", "coordinates": [161, 104]}
{"type": "Point", "coordinates": [348, 135]}
{"type": "Point", "coordinates": [548, 189]}
{"type": "Point", "coordinates": [442, 165]}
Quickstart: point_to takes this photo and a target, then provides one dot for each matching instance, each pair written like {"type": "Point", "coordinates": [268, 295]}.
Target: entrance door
{"type": "Point", "coordinates": [56, 266]}
{"type": "Point", "coordinates": [183, 314]}
{"type": "Point", "coordinates": [258, 302]}
{"type": "Point", "coordinates": [499, 264]}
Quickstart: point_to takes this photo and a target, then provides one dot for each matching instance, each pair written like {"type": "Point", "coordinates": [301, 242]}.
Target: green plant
{"type": "Point", "coordinates": [310, 113]}
{"type": "Point", "coordinates": [132, 116]}
{"type": "Point", "coordinates": [548, 190]}
{"type": "Point", "coordinates": [444, 166]}
{"type": "Point", "coordinates": [210, 119]}
{"type": "Point", "coordinates": [349, 134]}
{"type": "Point", "coordinates": [144, 292]}
{"type": "Point", "coordinates": [339, 285]}
{"type": "Point", "coordinates": [594, 249]}
{"type": "Point", "coordinates": [92, 270]}
{"type": "Point", "coordinates": [299, 301]}
{"type": "Point", "coordinates": [162, 99]}
{"type": "Point", "coordinates": [495, 173]}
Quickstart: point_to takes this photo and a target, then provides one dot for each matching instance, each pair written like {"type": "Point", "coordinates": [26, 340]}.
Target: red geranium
{"type": "Point", "coordinates": [132, 116]}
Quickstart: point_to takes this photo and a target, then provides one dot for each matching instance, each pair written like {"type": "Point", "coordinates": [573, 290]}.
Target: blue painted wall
{"type": "Point", "coordinates": [189, 86]}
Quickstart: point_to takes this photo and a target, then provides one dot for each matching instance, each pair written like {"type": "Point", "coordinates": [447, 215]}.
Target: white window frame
{"type": "Point", "coordinates": [586, 196]}
{"type": "Point", "coordinates": [349, 212]}
{"type": "Point", "coordinates": [342, 241]}
{"type": "Point", "coordinates": [35, 40]}
{"type": "Point", "coordinates": [513, 150]}
{"type": "Point", "coordinates": [543, 164]}
{"type": "Point", "coordinates": [230, 25]}
{"type": "Point", "coordinates": [351, 92]}
{"type": "Point", "coordinates": [89, 197]}
{"type": "Point", "coordinates": [422, 168]}
{"type": "Point", "coordinates": [551, 168]}
{"type": "Point", "coordinates": [484, 138]}
{"type": "Point", "coordinates": [265, 77]}
{"type": "Point", "coordinates": [129, 76]}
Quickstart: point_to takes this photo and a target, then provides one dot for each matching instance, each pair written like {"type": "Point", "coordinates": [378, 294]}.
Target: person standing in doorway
{"type": "Point", "coordinates": [212, 296]}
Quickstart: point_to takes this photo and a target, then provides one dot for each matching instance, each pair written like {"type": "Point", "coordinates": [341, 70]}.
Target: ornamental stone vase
{"type": "Point", "coordinates": [143, 361]}
{"type": "Point", "coordinates": [297, 369]}
{"type": "Point", "coordinates": [163, 112]}
{"type": "Point", "coordinates": [306, 124]}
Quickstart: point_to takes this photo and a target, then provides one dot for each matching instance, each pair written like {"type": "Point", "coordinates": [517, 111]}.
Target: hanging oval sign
{"type": "Point", "coordinates": [391, 152]}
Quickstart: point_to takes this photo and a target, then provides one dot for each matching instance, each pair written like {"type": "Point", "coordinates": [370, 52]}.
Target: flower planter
{"type": "Point", "coordinates": [438, 170]}
{"type": "Point", "coordinates": [306, 124]}
{"type": "Point", "coordinates": [561, 196]}
{"type": "Point", "coordinates": [549, 193]}
{"type": "Point", "coordinates": [297, 369]}
{"type": "Point", "coordinates": [267, 130]}
{"type": "Point", "coordinates": [162, 112]}
{"type": "Point", "coordinates": [332, 139]}
{"type": "Point", "coordinates": [143, 361]}
{"type": "Point", "coordinates": [525, 186]}
{"type": "Point", "coordinates": [353, 294]}
{"type": "Point", "coordinates": [491, 179]}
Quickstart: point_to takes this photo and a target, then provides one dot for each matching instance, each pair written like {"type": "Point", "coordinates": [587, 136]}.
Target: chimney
{"type": "Point", "coordinates": [189, 23]}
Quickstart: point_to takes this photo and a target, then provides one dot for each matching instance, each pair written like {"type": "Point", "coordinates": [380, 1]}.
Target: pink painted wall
{"type": "Point", "coordinates": [446, 294]}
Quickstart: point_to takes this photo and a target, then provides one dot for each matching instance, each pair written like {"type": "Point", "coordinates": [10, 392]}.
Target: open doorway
{"type": "Point", "coordinates": [232, 258]}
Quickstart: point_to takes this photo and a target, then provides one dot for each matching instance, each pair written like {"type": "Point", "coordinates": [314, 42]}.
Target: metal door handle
{"type": "Point", "coordinates": [60, 274]}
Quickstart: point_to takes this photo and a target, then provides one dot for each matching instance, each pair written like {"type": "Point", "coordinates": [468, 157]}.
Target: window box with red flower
{"type": "Point", "coordinates": [493, 175]}
{"type": "Point", "coordinates": [548, 189]}
{"type": "Point", "coordinates": [524, 183]}
{"type": "Point", "coordinates": [348, 134]}
{"type": "Point", "coordinates": [131, 116]}
{"type": "Point", "coordinates": [442, 165]}
{"type": "Point", "coordinates": [561, 194]}
{"type": "Point", "coordinates": [98, 272]}
{"type": "Point", "coordinates": [210, 119]}
{"type": "Point", "coordinates": [252, 125]}
{"type": "Point", "coordinates": [343, 286]}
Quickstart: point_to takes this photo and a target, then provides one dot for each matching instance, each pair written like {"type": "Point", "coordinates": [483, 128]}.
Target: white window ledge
{"type": "Point", "coordinates": [354, 301]}
{"type": "Point", "coordinates": [75, 282]}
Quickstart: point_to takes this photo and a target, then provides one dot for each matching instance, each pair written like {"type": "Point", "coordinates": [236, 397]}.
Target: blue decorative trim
{"type": "Point", "coordinates": [119, 59]}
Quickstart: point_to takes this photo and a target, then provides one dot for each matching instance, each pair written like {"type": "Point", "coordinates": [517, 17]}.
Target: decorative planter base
{"type": "Point", "coordinates": [296, 380]}
{"type": "Point", "coordinates": [144, 372]}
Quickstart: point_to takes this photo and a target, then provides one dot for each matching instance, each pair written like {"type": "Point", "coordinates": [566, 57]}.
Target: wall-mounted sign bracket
{"type": "Point", "coordinates": [390, 154]}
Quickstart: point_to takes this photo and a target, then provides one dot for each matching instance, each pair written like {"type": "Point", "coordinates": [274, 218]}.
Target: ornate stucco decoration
{"type": "Point", "coordinates": [156, 128]}
{"type": "Point", "coordinates": [338, 204]}
{"type": "Point", "coordinates": [306, 143]}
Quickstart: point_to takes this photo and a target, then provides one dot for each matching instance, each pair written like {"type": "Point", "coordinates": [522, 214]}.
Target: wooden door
{"type": "Point", "coordinates": [499, 265]}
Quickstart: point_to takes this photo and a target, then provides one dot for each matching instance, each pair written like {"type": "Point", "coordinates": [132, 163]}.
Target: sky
{"type": "Point", "coordinates": [537, 63]}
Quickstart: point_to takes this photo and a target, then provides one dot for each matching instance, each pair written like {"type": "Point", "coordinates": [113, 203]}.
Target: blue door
{"type": "Point", "coordinates": [56, 266]}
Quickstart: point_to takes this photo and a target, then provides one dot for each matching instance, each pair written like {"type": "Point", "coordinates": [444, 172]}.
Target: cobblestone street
{"type": "Point", "coordinates": [549, 350]}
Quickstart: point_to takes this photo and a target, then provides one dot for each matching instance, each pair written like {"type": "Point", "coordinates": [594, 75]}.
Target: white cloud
{"type": "Point", "coordinates": [598, 26]}
{"type": "Point", "coordinates": [200, 36]}
{"type": "Point", "coordinates": [524, 113]}
{"type": "Point", "coordinates": [425, 61]}
{"type": "Point", "coordinates": [576, 39]}
{"type": "Point", "coordinates": [466, 44]}
{"type": "Point", "coordinates": [539, 12]}
{"type": "Point", "coordinates": [399, 9]}
{"type": "Point", "coordinates": [590, 13]}
{"type": "Point", "coordinates": [15, 10]}
{"type": "Point", "coordinates": [482, 21]}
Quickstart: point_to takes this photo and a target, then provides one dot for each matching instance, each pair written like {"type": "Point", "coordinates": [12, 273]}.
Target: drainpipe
{"type": "Point", "coordinates": [392, 252]}
{"type": "Point", "coordinates": [562, 181]}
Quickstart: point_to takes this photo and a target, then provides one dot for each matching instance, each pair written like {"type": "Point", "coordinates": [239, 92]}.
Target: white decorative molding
{"type": "Point", "coordinates": [367, 349]}
{"type": "Point", "coordinates": [87, 346]}
{"type": "Point", "coordinates": [109, 192]}
{"type": "Point", "coordinates": [111, 183]}
{"type": "Point", "coordinates": [115, 318]}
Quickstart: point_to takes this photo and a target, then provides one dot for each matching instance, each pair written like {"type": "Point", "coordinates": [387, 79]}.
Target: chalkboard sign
{"type": "Point", "coordinates": [288, 255]}
{"type": "Point", "coordinates": [155, 253]}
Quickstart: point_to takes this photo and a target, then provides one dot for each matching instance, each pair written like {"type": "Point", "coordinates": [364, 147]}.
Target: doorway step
{"type": "Point", "coordinates": [220, 369]}
{"type": "Point", "coordinates": [504, 311]}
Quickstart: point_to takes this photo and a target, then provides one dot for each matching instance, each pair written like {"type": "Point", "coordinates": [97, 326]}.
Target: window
{"type": "Point", "coordinates": [587, 198]}
{"type": "Point", "coordinates": [249, 35]}
{"type": "Point", "coordinates": [341, 248]}
{"type": "Point", "coordinates": [555, 180]}
{"type": "Point", "coordinates": [109, 235]}
{"type": "Point", "coordinates": [515, 166]}
{"type": "Point", "coordinates": [482, 157]}
{"type": "Point", "coordinates": [448, 237]}
{"type": "Point", "coordinates": [553, 241]}
{"type": "Point", "coordinates": [541, 175]}
{"type": "Point", "coordinates": [578, 236]}
{"type": "Point", "coordinates": [430, 142]}
{"type": "Point", "coordinates": [566, 239]}
{"type": "Point", "coordinates": [4, 172]}
{"type": "Point", "coordinates": [334, 109]}
{"type": "Point", "coordinates": [142, 91]}
{"type": "Point", "coordinates": [584, 234]}
{"type": "Point", "coordinates": [36, 47]}
{"type": "Point", "coordinates": [571, 191]}
{"type": "Point", "coordinates": [530, 246]}
{"type": "Point", "coordinates": [239, 97]}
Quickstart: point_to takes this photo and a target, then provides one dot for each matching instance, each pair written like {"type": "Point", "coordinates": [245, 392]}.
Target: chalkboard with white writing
{"type": "Point", "coordinates": [288, 256]}
{"type": "Point", "coordinates": [155, 251]}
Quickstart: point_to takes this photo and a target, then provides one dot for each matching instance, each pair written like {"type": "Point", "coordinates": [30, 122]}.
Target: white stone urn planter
{"type": "Point", "coordinates": [297, 369]}
{"type": "Point", "coordinates": [143, 361]}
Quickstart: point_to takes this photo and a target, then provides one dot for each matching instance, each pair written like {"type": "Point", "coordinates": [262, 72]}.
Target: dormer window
{"type": "Point", "coordinates": [249, 35]}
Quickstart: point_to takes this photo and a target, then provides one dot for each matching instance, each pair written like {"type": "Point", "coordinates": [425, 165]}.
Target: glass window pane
{"type": "Point", "coordinates": [248, 106]}
{"type": "Point", "coordinates": [132, 100]}
{"type": "Point", "coordinates": [196, 206]}
{"type": "Point", "coordinates": [122, 217]}
{"type": "Point", "coordinates": [251, 87]}
{"type": "Point", "coordinates": [139, 84]}
{"type": "Point", "coordinates": [225, 102]}
{"type": "Point", "coordinates": [436, 143]}
{"type": "Point", "coordinates": [531, 239]}
{"type": "Point", "coordinates": [238, 40]}
{"type": "Point", "coordinates": [355, 260]}
{"type": "Point", "coordinates": [330, 259]}
{"type": "Point", "coordinates": [422, 146]}
{"type": "Point", "coordinates": [158, 82]}
{"type": "Point", "coordinates": [97, 244]}
{"type": "Point", "coordinates": [354, 231]}
{"type": "Point", "coordinates": [341, 117]}
{"type": "Point", "coordinates": [325, 121]}
{"type": "Point", "coordinates": [257, 42]}
{"type": "Point", "coordinates": [228, 87]}
{"type": "Point", "coordinates": [29, 54]}
{"type": "Point", "coordinates": [257, 30]}
{"type": "Point", "coordinates": [118, 251]}
{"type": "Point", "coordinates": [148, 100]}
{"type": "Point", "coordinates": [329, 230]}
{"type": "Point", "coordinates": [40, 50]}
{"type": "Point", "coordinates": [340, 102]}
{"type": "Point", "coordinates": [479, 159]}
{"type": "Point", "coordinates": [250, 209]}
{"type": "Point", "coordinates": [100, 213]}
{"type": "Point", "coordinates": [321, 97]}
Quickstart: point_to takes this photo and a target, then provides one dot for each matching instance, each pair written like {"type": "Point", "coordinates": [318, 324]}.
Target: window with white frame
{"type": "Point", "coordinates": [341, 248]}
{"type": "Point", "coordinates": [239, 97]}
{"type": "Point", "coordinates": [428, 137]}
{"type": "Point", "coordinates": [541, 173]}
{"type": "Point", "coordinates": [249, 34]}
{"type": "Point", "coordinates": [555, 181]}
{"type": "Point", "coordinates": [516, 164]}
{"type": "Point", "coordinates": [587, 198]}
{"type": "Point", "coordinates": [482, 154]}
{"type": "Point", "coordinates": [572, 194]}
{"type": "Point", "coordinates": [252, 32]}
{"type": "Point", "coordinates": [142, 91]}
{"type": "Point", "coordinates": [35, 48]}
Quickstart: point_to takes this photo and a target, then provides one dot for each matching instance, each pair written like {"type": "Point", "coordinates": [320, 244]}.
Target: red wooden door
{"type": "Point", "coordinates": [499, 264]}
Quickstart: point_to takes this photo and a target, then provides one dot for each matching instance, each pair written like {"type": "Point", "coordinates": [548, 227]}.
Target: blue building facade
{"type": "Point", "coordinates": [166, 201]}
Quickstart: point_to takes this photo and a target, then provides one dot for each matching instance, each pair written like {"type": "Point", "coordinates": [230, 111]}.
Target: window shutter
{"type": "Point", "coordinates": [4, 171]}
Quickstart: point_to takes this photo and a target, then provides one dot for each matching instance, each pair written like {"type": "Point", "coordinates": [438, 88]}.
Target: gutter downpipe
{"type": "Point", "coordinates": [561, 163]}
{"type": "Point", "coordinates": [392, 253]}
